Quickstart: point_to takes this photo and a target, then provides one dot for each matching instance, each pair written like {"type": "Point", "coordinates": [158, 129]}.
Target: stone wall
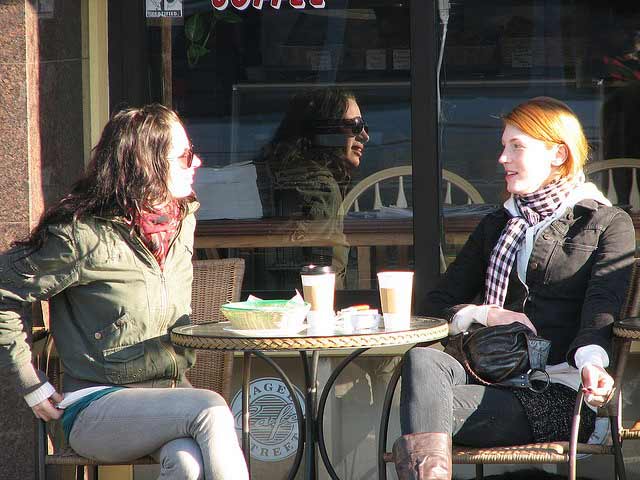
{"type": "Point", "coordinates": [41, 151]}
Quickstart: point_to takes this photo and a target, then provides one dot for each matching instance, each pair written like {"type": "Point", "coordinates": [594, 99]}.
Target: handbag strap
{"type": "Point", "coordinates": [522, 380]}
{"type": "Point", "coordinates": [470, 371]}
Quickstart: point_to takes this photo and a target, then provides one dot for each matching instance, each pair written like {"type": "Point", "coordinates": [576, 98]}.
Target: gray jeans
{"type": "Point", "coordinates": [436, 397]}
{"type": "Point", "coordinates": [189, 431]}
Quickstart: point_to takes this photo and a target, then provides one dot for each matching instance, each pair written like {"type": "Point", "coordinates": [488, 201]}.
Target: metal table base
{"type": "Point", "coordinates": [310, 425]}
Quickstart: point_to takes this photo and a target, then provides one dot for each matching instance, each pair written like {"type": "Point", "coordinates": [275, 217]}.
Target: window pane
{"type": "Point", "coordinates": [501, 53]}
{"type": "Point", "coordinates": [271, 100]}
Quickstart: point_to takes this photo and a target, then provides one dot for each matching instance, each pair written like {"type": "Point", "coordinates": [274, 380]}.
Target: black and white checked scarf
{"type": "Point", "coordinates": [533, 207]}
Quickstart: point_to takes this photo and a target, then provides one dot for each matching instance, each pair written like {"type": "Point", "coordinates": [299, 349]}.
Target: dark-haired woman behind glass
{"type": "Point", "coordinates": [304, 171]}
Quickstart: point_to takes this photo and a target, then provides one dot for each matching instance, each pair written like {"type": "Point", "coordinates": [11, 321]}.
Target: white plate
{"type": "Point", "coordinates": [268, 332]}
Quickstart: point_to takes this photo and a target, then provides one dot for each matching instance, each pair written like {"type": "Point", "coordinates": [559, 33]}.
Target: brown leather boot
{"type": "Point", "coordinates": [423, 456]}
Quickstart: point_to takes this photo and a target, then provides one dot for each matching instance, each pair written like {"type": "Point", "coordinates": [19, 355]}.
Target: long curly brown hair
{"type": "Point", "coordinates": [128, 172]}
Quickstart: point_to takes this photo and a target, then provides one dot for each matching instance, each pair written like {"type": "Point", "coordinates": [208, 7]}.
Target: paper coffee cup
{"type": "Point", "coordinates": [395, 298]}
{"type": "Point", "coordinates": [318, 287]}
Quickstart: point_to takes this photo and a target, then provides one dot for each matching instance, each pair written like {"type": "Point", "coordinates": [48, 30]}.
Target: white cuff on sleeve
{"type": "Point", "coordinates": [462, 320]}
{"type": "Point", "coordinates": [40, 394]}
{"type": "Point", "coordinates": [593, 354]}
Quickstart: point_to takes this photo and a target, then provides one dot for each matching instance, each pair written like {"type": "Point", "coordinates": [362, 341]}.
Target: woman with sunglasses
{"type": "Point", "coordinates": [113, 258]}
{"type": "Point", "coordinates": [304, 171]}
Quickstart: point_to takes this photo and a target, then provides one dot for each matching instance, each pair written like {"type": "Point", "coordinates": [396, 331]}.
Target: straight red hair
{"type": "Point", "coordinates": [553, 122]}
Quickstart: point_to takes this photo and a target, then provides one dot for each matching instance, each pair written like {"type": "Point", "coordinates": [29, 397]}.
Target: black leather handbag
{"type": "Point", "coordinates": [503, 355]}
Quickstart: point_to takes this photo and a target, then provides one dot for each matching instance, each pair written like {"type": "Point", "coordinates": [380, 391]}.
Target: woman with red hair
{"type": "Point", "coordinates": [556, 258]}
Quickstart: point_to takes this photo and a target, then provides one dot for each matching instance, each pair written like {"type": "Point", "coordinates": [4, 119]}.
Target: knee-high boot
{"type": "Point", "coordinates": [423, 456]}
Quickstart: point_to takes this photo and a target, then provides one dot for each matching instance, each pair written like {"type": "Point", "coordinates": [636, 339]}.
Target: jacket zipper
{"type": "Point", "coordinates": [164, 300]}
{"type": "Point", "coordinates": [165, 294]}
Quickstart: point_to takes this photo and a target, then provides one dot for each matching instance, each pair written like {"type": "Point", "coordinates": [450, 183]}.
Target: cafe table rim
{"type": "Point", "coordinates": [212, 335]}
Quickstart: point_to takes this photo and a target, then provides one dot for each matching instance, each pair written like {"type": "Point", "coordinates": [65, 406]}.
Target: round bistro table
{"type": "Point", "coordinates": [219, 336]}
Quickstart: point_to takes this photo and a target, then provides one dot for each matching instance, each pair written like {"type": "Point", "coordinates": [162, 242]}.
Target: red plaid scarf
{"type": "Point", "coordinates": [158, 228]}
{"type": "Point", "coordinates": [533, 207]}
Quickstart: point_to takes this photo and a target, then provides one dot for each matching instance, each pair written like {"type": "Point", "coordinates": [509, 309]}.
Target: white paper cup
{"type": "Point", "coordinates": [318, 285]}
{"type": "Point", "coordinates": [319, 290]}
{"type": "Point", "coordinates": [395, 298]}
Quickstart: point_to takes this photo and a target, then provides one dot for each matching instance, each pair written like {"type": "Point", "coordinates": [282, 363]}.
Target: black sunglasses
{"type": "Point", "coordinates": [349, 126]}
{"type": "Point", "coordinates": [357, 125]}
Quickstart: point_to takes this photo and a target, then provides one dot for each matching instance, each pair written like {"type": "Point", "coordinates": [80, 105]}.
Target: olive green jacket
{"type": "Point", "coordinates": [111, 305]}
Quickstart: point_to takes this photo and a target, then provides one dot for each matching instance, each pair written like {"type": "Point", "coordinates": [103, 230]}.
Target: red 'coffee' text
{"type": "Point", "coordinates": [244, 4]}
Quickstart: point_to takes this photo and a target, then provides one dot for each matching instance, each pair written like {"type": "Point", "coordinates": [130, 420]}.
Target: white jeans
{"type": "Point", "coordinates": [189, 431]}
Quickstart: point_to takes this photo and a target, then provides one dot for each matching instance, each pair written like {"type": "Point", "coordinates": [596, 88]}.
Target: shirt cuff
{"type": "Point", "coordinates": [463, 319]}
{"type": "Point", "coordinates": [39, 395]}
{"type": "Point", "coordinates": [593, 354]}
{"type": "Point", "coordinates": [28, 379]}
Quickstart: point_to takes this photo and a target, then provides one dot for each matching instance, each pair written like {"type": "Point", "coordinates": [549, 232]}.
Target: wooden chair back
{"type": "Point", "coordinates": [620, 186]}
{"type": "Point", "coordinates": [451, 181]}
{"type": "Point", "coordinates": [351, 201]}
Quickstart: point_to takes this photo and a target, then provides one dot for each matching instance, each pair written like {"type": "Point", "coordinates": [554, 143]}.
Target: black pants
{"type": "Point", "coordinates": [435, 397]}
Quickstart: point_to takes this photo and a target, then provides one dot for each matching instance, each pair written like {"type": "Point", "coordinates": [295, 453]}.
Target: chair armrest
{"type": "Point", "coordinates": [575, 430]}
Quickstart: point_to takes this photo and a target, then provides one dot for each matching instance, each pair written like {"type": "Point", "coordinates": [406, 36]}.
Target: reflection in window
{"type": "Point", "coordinates": [233, 75]}
{"type": "Point", "coordinates": [497, 55]}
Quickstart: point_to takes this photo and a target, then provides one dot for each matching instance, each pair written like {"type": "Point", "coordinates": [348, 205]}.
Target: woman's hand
{"type": "Point", "coordinates": [46, 410]}
{"type": "Point", "coordinates": [597, 385]}
{"type": "Point", "coordinates": [500, 316]}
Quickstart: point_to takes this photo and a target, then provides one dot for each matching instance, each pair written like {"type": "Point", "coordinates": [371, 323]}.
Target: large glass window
{"type": "Point", "coordinates": [270, 99]}
{"type": "Point", "coordinates": [500, 53]}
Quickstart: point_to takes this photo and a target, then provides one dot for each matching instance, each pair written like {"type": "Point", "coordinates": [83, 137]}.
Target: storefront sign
{"type": "Point", "coordinates": [244, 4]}
{"type": "Point", "coordinates": [273, 419]}
{"type": "Point", "coordinates": [164, 8]}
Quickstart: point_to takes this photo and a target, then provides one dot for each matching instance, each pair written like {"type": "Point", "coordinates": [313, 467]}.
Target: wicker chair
{"type": "Point", "coordinates": [556, 452]}
{"type": "Point", "coordinates": [214, 282]}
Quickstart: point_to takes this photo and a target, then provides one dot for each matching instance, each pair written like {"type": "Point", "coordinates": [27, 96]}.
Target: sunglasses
{"type": "Point", "coordinates": [349, 126]}
{"type": "Point", "coordinates": [186, 159]}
